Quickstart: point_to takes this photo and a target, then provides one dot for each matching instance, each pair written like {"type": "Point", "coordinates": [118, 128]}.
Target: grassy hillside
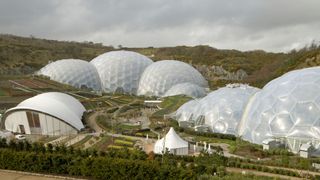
{"type": "Point", "coordinates": [21, 52]}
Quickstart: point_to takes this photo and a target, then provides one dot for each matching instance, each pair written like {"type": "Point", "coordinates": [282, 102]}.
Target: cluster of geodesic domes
{"type": "Point", "coordinates": [128, 72]}
{"type": "Point", "coordinates": [286, 108]}
{"type": "Point", "coordinates": [220, 111]}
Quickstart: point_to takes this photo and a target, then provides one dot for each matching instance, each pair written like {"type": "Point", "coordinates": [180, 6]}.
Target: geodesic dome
{"type": "Point", "coordinates": [74, 72]}
{"type": "Point", "coordinates": [159, 77]}
{"type": "Point", "coordinates": [224, 107]}
{"type": "Point", "coordinates": [187, 111]}
{"type": "Point", "coordinates": [287, 107]}
{"type": "Point", "coordinates": [189, 89]}
{"type": "Point", "coordinates": [120, 71]}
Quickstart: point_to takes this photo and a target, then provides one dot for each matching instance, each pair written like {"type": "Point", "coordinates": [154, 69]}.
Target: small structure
{"type": "Point", "coordinates": [172, 143]}
{"type": "Point", "coordinates": [152, 103]}
{"type": "Point", "coordinates": [5, 134]}
{"type": "Point", "coordinates": [269, 144]}
{"type": "Point", "coordinates": [306, 150]}
{"type": "Point", "coordinates": [202, 128]}
{"type": "Point", "coordinates": [316, 166]}
{"type": "Point", "coordinates": [186, 124]}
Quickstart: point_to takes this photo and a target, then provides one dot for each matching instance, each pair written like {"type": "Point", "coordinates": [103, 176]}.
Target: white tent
{"type": "Point", "coordinates": [173, 143]}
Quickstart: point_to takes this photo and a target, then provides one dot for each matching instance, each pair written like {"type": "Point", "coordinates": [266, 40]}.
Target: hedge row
{"type": "Point", "coordinates": [98, 167]}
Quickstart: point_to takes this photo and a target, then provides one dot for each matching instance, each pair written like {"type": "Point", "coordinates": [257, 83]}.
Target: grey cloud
{"type": "Point", "coordinates": [274, 25]}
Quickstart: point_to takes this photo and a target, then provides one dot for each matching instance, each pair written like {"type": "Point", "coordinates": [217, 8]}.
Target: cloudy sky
{"type": "Point", "coordinates": [271, 25]}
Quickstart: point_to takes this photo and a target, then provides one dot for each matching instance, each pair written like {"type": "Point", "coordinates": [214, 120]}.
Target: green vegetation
{"type": "Point", "coordinates": [80, 143]}
{"type": "Point", "coordinates": [110, 156]}
{"type": "Point", "coordinates": [113, 164]}
{"type": "Point", "coordinates": [237, 176]}
{"type": "Point", "coordinates": [169, 105]}
{"type": "Point", "coordinates": [102, 144]}
{"type": "Point", "coordinates": [111, 124]}
{"type": "Point", "coordinates": [2, 92]}
{"type": "Point", "coordinates": [123, 143]}
{"type": "Point", "coordinates": [123, 161]}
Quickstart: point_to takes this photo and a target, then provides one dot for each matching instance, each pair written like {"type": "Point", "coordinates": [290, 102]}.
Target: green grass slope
{"type": "Point", "coordinates": [260, 66]}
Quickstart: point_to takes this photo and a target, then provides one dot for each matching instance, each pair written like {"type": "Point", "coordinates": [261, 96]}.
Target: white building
{"type": "Point", "coordinates": [270, 143]}
{"type": "Point", "coordinates": [173, 143]}
{"type": "Point", "coordinates": [306, 150]}
{"type": "Point", "coordinates": [50, 113]}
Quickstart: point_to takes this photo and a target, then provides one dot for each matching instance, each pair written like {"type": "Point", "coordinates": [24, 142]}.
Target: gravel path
{"type": "Point", "coordinates": [19, 175]}
{"type": "Point", "coordinates": [92, 121]}
{"type": "Point", "coordinates": [259, 173]}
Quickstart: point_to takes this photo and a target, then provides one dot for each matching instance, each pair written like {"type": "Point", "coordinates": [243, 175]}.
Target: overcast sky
{"type": "Point", "coordinates": [271, 25]}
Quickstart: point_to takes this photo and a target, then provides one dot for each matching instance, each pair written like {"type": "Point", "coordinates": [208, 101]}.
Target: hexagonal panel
{"type": "Point", "coordinates": [260, 133]}
{"type": "Point", "coordinates": [281, 124]}
{"type": "Point", "coordinates": [307, 78]}
{"type": "Point", "coordinates": [73, 72]}
{"type": "Point", "coordinates": [284, 89]}
{"type": "Point", "coordinates": [120, 69]}
{"type": "Point", "coordinates": [306, 92]}
{"type": "Point", "coordinates": [284, 104]}
{"type": "Point", "coordinates": [305, 114]}
{"type": "Point", "coordinates": [168, 73]}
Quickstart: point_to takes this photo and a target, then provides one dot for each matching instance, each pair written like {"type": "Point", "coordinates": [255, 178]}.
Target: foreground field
{"type": "Point", "coordinates": [15, 175]}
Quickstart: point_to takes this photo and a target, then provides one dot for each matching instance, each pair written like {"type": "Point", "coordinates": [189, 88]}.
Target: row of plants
{"type": "Point", "coordinates": [273, 165]}
{"type": "Point", "coordinates": [175, 125]}
{"type": "Point", "coordinates": [114, 163]}
{"type": "Point", "coordinates": [264, 169]}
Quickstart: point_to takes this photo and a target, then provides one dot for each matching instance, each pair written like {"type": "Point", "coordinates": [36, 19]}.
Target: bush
{"type": "Point", "coordinates": [96, 167]}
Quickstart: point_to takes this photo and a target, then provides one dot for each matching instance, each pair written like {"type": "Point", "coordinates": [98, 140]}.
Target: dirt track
{"type": "Point", "coordinates": [259, 173]}
{"type": "Point", "coordinates": [18, 175]}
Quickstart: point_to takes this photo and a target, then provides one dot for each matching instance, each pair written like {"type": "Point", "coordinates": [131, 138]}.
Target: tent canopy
{"type": "Point", "coordinates": [172, 141]}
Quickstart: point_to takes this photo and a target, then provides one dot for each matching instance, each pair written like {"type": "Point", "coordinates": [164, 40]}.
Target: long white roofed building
{"type": "Point", "coordinates": [50, 113]}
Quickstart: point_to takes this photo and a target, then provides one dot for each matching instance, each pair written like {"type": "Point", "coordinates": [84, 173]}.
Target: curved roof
{"type": "Point", "coordinates": [188, 110]}
{"type": "Point", "coordinates": [120, 70]}
{"type": "Point", "coordinates": [288, 107]}
{"type": "Point", "coordinates": [224, 107]}
{"type": "Point", "coordinates": [171, 141]}
{"type": "Point", "coordinates": [188, 89]}
{"type": "Point", "coordinates": [160, 76]}
{"type": "Point", "coordinates": [59, 105]}
{"type": "Point", "coordinates": [75, 72]}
